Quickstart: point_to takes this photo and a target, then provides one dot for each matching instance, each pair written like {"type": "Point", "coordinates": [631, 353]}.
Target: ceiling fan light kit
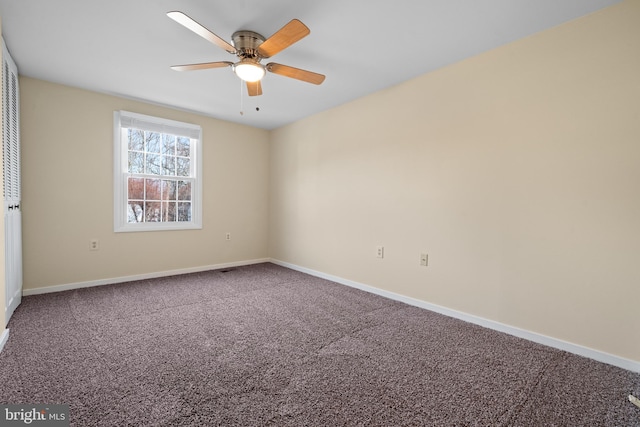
{"type": "Point", "coordinates": [249, 70]}
{"type": "Point", "coordinates": [250, 48]}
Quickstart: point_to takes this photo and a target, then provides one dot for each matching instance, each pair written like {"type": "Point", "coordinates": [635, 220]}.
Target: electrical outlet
{"type": "Point", "coordinates": [380, 251]}
{"type": "Point", "coordinates": [424, 260]}
{"type": "Point", "coordinates": [228, 236]}
{"type": "Point", "coordinates": [94, 244]}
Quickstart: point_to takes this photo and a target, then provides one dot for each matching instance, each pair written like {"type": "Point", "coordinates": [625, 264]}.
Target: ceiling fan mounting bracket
{"type": "Point", "coordinates": [247, 43]}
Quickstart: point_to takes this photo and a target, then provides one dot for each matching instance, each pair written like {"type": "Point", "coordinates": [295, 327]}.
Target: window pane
{"type": "Point", "coordinates": [153, 189]}
{"type": "Point", "coordinates": [136, 139]}
{"type": "Point", "coordinates": [136, 162]}
{"type": "Point", "coordinates": [169, 144]}
{"type": "Point", "coordinates": [152, 212]}
{"type": "Point", "coordinates": [153, 164]}
{"type": "Point", "coordinates": [184, 211]}
{"type": "Point", "coordinates": [135, 188]}
{"type": "Point", "coordinates": [184, 190]}
{"type": "Point", "coordinates": [153, 142]}
{"type": "Point", "coordinates": [183, 146]}
{"type": "Point", "coordinates": [183, 166]}
{"type": "Point", "coordinates": [168, 165]}
{"type": "Point", "coordinates": [135, 212]}
{"type": "Point", "coordinates": [161, 177]}
{"type": "Point", "coordinates": [169, 211]}
{"type": "Point", "coordinates": [169, 190]}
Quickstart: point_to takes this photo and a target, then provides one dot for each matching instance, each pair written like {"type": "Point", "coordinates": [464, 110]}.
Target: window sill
{"type": "Point", "coordinates": [162, 226]}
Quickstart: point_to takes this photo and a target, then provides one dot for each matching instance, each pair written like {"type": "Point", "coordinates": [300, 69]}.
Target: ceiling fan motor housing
{"type": "Point", "coordinates": [247, 43]}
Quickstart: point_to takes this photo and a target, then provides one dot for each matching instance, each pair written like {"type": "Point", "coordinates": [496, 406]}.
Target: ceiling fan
{"type": "Point", "coordinates": [250, 48]}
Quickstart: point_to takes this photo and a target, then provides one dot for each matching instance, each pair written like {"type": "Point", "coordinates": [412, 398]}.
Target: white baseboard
{"type": "Point", "coordinates": [3, 339]}
{"type": "Point", "coordinates": [111, 281]}
{"type": "Point", "coordinates": [600, 356]}
{"type": "Point", "coordinates": [590, 353]}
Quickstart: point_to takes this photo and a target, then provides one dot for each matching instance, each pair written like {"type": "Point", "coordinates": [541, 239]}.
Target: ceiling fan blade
{"type": "Point", "coordinates": [192, 25]}
{"type": "Point", "coordinates": [202, 66]}
{"type": "Point", "coordinates": [295, 73]}
{"type": "Point", "coordinates": [254, 88]}
{"type": "Point", "coordinates": [283, 38]}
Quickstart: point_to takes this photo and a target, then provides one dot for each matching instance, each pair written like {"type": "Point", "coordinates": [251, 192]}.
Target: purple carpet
{"type": "Point", "coordinates": [263, 345]}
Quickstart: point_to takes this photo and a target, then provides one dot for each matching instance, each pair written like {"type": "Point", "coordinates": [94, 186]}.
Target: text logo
{"type": "Point", "coordinates": [34, 415]}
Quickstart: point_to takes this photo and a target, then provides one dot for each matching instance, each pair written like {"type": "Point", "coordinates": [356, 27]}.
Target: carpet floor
{"type": "Point", "coordinates": [263, 345]}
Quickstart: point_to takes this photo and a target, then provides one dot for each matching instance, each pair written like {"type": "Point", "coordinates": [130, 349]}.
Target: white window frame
{"type": "Point", "coordinates": [121, 174]}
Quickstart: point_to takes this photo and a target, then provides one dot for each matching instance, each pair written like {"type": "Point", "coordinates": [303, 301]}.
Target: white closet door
{"type": "Point", "coordinates": [11, 187]}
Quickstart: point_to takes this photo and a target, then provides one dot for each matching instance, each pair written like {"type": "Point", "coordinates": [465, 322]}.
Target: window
{"type": "Point", "coordinates": [157, 173]}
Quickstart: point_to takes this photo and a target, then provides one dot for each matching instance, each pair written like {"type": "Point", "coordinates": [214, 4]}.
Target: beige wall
{"type": "Point", "coordinates": [518, 171]}
{"type": "Point", "coordinates": [67, 177]}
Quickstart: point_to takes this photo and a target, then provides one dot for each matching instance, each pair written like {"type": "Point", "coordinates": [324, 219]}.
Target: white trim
{"type": "Point", "coordinates": [590, 353]}
{"type": "Point", "coordinates": [111, 281]}
{"type": "Point", "coordinates": [3, 339]}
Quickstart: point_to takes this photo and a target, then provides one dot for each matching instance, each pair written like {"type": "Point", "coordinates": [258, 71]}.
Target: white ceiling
{"type": "Point", "coordinates": [125, 47]}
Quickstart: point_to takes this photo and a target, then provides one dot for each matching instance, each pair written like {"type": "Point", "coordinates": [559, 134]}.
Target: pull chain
{"type": "Point", "coordinates": [241, 99]}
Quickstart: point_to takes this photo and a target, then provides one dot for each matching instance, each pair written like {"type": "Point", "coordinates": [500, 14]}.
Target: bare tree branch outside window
{"type": "Point", "coordinates": [159, 187]}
